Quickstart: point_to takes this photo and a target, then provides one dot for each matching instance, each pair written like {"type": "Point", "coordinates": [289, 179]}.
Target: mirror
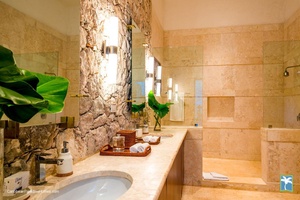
{"type": "Point", "coordinates": [138, 65]}
{"type": "Point", "coordinates": [44, 36]}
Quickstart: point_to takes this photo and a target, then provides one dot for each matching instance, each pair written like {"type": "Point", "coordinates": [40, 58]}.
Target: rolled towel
{"type": "Point", "coordinates": [142, 147]}
{"type": "Point", "coordinates": [150, 138]}
{"type": "Point", "coordinates": [154, 139]}
{"type": "Point", "coordinates": [147, 138]}
{"type": "Point", "coordinates": [138, 147]}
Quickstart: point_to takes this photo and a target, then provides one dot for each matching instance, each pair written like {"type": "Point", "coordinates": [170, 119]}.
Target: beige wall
{"type": "Point", "coordinates": [230, 62]}
{"type": "Point", "coordinates": [25, 35]}
{"type": "Point", "coordinates": [292, 83]}
{"type": "Point", "coordinates": [243, 85]}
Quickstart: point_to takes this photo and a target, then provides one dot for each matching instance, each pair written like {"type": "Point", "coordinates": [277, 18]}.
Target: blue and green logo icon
{"type": "Point", "coordinates": [286, 183]}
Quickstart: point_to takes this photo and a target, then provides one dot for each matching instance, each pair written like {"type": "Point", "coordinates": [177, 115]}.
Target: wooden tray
{"type": "Point", "coordinates": [151, 143]}
{"type": "Point", "coordinates": [107, 150]}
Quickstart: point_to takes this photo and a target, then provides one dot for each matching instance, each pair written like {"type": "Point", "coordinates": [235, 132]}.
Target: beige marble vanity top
{"type": "Point", "coordinates": [147, 174]}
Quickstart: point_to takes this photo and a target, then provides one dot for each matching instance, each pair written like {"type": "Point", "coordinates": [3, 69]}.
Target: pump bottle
{"type": "Point", "coordinates": [66, 169]}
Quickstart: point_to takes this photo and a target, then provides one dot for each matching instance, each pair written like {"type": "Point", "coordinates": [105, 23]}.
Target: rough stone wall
{"type": "Point", "coordinates": [19, 153]}
{"type": "Point", "coordinates": [96, 123]}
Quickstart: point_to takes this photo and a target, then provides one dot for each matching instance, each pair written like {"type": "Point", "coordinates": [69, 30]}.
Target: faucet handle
{"type": "Point", "coordinates": [40, 154]}
{"type": "Point", "coordinates": [44, 154]}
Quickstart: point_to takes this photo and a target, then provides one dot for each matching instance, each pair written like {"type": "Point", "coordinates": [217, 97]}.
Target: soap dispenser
{"type": "Point", "coordinates": [66, 168]}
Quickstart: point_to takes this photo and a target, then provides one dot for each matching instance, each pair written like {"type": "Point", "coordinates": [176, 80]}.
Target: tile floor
{"type": "Point", "coordinates": [244, 173]}
{"type": "Point", "coordinates": [205, 193]}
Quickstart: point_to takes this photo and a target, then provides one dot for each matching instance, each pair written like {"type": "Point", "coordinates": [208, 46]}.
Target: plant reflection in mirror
{"type": "Point", "coordinates": [160, 110]}
{"type": "Point", "coordinates": [24, 94]}
{"type": "Point", "coordinates": [139, 114]}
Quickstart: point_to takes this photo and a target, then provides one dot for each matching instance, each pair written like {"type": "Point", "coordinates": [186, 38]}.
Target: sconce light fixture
{"type": "Point", "coordinates": [169, 89]}
{"type": "Point", "coordinates": [110, 48]}
{"type": "Point", "coordinates": [158, 81]}
{"type": "Point", "coordinates": [149, 74]}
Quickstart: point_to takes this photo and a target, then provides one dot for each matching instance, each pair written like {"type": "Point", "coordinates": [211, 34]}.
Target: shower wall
{"type": "Point", "coordinates": [240, 70]}
{"type": "Point", "coordinates": [281, 100]}
{"type": "Point", "coordinates": [292, 83]}
{"type": "Point", "coordinates": [229, 62]}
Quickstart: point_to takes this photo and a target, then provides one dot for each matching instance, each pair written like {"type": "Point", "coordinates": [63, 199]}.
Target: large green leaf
{"type": "Point", "coordinates": [6, 57]}
{"type": "Point", "coordinates": [138, 107]}
{"type": "Point", "coordinates": [24, 93]}
{"type": "Point", "coordinates": [52, 88]}
{"type": "Point", "coordinates": [160, 110]}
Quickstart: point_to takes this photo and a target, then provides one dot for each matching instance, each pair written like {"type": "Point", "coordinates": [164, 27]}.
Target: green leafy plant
{"type": "Point", "coordinates": [138, 107]}
{"type": "Point", "coordinates": [160, 110]}
{"type": "Point", "coordinates": [24, 94]}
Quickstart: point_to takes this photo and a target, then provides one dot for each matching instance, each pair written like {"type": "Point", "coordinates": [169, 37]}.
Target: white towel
{"type": "Point", "coordinates": [150, 139]}
{"type": "Point", "coordinates": [214, 176]}
{"type": "Point", "coordinates": [138, 147]}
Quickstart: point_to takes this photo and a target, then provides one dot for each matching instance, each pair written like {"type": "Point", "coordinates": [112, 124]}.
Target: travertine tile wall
{"type": "Point", "coordinates": [292, 83]}
{"type": "Point", "coordinates": [281, 102]}
{"type": "Point", "coordinates": [280, 156]}
{"type": "Point", "coordinates": [231, 64]}
{"type": "Point", "coordinates": [138, 67]}
{"type": "Point", "coordinates": [281, 146]}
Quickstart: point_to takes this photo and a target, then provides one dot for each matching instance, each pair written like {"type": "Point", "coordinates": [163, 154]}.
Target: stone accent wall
{"type": "Point", "coordinates": [96, 124]}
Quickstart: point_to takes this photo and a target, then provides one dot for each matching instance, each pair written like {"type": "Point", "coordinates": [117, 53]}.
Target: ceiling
{"type": "Point", "coordinates": [193, 14]}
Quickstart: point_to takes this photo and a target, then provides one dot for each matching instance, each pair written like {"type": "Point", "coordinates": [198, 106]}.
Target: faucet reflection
{"type": "Point", "coordinates": [39, 173]}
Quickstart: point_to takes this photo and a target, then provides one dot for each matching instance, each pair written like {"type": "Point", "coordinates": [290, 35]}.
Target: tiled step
{"type": "Point", "coordinates": [242, 174]}
{"type": "Point", "coordinates": [240, 183]}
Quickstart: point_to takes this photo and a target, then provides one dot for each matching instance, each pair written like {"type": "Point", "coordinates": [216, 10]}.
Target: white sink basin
{"type": "Point", "coordinates": [101, 187]}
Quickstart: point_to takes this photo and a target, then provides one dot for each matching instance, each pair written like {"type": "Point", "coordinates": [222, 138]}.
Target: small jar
{"type": "Point", "coordinates": [145, 129]}
{"type": "Point", "coordinates": [118, 143]}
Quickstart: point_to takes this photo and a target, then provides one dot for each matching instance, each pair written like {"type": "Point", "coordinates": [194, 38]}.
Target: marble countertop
{"type": "Point", "coordinates": [148, 174]}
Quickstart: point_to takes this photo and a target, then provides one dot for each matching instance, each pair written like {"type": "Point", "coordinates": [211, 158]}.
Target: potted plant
{"type": "Point", "coordinates": [160, 110]}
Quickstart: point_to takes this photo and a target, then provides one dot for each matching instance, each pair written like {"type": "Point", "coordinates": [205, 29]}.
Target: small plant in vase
{"type": "Point", "coordinates": [160, 110]}
{"type": "Point", "coordinates": [139, 110]}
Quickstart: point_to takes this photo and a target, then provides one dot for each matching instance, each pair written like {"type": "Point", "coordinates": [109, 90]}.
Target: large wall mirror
{"type": "Point", "coordinates": [138, 65]}
{"type": "Point", "coordinates": [44, 36]}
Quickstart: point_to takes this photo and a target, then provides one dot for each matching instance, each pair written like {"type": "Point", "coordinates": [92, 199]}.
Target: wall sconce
{"type": "Point", "coordinates": [158, 81]}
{"type": "Point", "coordinates": [110, 48]}
{"type": "Point", "coordinates": [149, 74]}
{"type": "Point", "coordinates": [169, 89]}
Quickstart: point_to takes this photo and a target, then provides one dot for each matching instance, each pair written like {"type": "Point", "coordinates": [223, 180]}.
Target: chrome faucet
{"type": "Point", "coordinates": [39, 173]}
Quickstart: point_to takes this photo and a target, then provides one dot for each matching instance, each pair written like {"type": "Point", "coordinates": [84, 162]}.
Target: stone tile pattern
{"type": "Point", "coordinates": [280, 156]}
{"type": "Point", "coordinates": [96, 125]}
{"type": "Point", "coordinates": [243, 63]}
{"type": "Point", "coordinates": [192, 157]}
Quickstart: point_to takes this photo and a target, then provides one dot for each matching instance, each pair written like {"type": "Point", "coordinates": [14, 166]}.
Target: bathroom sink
{"type": "Point", "coordinates": [101, 187]}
